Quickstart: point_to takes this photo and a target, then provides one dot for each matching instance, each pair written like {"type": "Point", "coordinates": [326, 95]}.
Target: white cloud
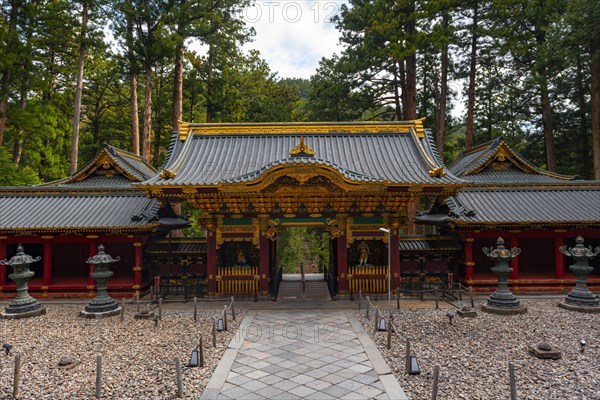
{"type": "Point", "coordinates": [293, 35]}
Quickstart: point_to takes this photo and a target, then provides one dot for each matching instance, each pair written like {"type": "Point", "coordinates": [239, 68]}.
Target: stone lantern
{"type": "Point", "coordinates": [580, 298]}
{"type": "Point", "coordinates": [23, 305]}
{"type": "Point", "coordinates": [102, 305]}
{"type": "Point", "coordinates": [502, 301]}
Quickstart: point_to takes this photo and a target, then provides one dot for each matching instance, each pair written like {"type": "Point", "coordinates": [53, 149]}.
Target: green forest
{"type": "Point", "coordinates": [79, 74]}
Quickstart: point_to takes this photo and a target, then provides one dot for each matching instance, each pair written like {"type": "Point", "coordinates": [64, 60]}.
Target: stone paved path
{"type": "Point", "coordinates": [292, 354]}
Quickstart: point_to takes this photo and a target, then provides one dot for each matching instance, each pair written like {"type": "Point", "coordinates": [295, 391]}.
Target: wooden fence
{"type": "Point", "coordinates": [368, 279]}
{"type": "Point", "coordinates": [233, 281]}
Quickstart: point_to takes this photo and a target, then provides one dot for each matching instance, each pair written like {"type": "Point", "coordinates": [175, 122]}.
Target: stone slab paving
{"type": "Point", "coordinates": [302, 354]}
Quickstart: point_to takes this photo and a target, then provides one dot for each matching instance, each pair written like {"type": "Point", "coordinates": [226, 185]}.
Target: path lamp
{"type": "Point", "coordinates": [23, 305]}
{"type": "Point", "coordinates": [389, 233]}
{"type": "Point", "coordinates": [581, 298]}
{"type": "Point", "coordinates": [102, 305]}
{"type": "Point", "coordinates": [502, 301]}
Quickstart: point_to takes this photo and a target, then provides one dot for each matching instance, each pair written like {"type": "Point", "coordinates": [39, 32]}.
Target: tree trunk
{"type": "Point", "coordinates": [78, 90]}
{"type": "Point", "coordinates": [547, 122]}
{"type": "Point", "coordinates": [133, 90]}
{"type": "Point", "coordinates": [472, 76]}
{"type": "Point", "coordinates": [178, 88]}
{"type": "Point", "coordinates": [595, 95]}
{"type": "Point", "coordinates": [584, 143]}
{"type": "Point", "coordinates": [135, 117]}
{"type": "Point", "coordinates": [158, 114]}
{"type": "Point", "coordinates": [411, 88]}
{"type": "Point", "coordinates": [18, 147]}
{"type": "Point", "coordinates": [209, 86]}
{"type": "Point", "coordinates": [147, 114]}
{"type": "Point", "coordinates": [440, 120]}
{"type": "Point", "coordinates": [402, 71]}
{"type": "Point", "coordinates": [397, 97]}
{"type": "Point", "coordinates": [7, 73]}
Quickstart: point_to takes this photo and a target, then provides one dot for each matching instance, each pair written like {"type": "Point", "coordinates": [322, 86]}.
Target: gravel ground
{"type": "Point", "coordinates": [138, 359]}
{"type": "Point", "coordinates": [473, 353]}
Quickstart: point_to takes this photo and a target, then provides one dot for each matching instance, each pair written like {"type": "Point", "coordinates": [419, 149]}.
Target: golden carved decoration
{"type": "Point", "coordinates": [167, 174]}
{"type": "Point", "coordinates": [302, 148]}
{"type": "Point", "coordinates": [184, 130]}
{"type": "Point", "coordinates": [271, 233]}
{"type": "Point", "coordinates": [136, 269]}
{"type": "Point", "coordinates": [295, 128]}
{"type": "Point", "coordinates": [437, 172]}
{"type": "Point", "coordinates": [335, 232]}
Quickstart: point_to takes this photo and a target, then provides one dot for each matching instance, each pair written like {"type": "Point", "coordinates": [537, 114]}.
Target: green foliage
{"type": "Point", "coordinates": [308, 246]}
{"type": "Point", "coordinates": [11, 175]}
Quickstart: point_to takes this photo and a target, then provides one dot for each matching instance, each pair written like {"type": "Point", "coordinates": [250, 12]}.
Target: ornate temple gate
{"type": "Point", "coordinates": [252, 180]}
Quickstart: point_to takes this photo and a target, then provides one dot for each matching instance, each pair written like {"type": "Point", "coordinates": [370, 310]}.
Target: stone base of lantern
{"type": "Point", "coordinates": [580, 308]}
{"type": "Point", "coordinates": [504, 310]}
{"type": "Point", "coordinates": [98, 315]}
{"type": "Point", "coordinates": [10, 314]}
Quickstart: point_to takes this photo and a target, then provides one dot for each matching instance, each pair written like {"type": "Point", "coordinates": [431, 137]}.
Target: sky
{"type": "Point", "coordinates": [293, 35]}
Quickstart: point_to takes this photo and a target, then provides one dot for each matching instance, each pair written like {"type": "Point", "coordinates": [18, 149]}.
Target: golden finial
{"type": "Point", "coordinates": [437, 172]}
{"type": "Point", "coordinates": [167, 174]}
{"type": "Point", "coordinates": [302, 149]}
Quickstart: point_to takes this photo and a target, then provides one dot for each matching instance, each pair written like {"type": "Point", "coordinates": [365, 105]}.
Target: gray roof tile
{"type": "Point", "coordinates": [76, 211]}
{"type": "Point", "coordinates": [212, 159]}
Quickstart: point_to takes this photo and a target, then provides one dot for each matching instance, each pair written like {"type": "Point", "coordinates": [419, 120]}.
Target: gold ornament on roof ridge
{"type": "Point", "coordinates": [437, 172]}
{"type": "Point", "coordinates": [302, 149]}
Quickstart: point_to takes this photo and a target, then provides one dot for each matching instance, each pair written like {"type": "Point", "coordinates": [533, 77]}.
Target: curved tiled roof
{"type": "Point", "coordinates": [210, 159]}
{"type": "Point", "coordinates": [476, 166]}
{"type": "Point", "coordinates": [304, 161]}
{"type": "Point", "coordinates": [133, 167]}
{"type": "Point", "coordinates": [70, 211]}
{"type": "Point", "coordinates": [526, 205]}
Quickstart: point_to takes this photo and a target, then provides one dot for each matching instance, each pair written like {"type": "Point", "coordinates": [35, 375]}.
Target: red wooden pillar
{"type": "Point", "coordinates": [211, 262]}
{"type": "Point", "coordinates": [137, 269]}
{"type": "Point", "coordinates": [342, 263]}
{"type": "Point", "coordinates": [93, 250]}
{"type": "Point", "coordinates": [559, 260]}
{"type": "Point", "coordinates": [395, 258]}
{"type": "Point", "coordinates": [2, 257]}
{"type": "Point", "coordinates": [263, 264]}
{"type": "Point", "coordinates": [47, 261]}
{"type": "Point", "coordinates": [469, 263]}
{"type": "Point", "coordinates": [514, 263]}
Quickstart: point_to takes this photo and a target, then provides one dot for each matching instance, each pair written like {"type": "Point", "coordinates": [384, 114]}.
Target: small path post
{"type": "Point", "coordinates": [17, 376]}
{"type": "Point", "coordinates": [214, 332]}
{"type": "Point", "coordinates": [407, 356]}
{"type": "Point", "coordinates": [368, 308]}
{"type": "Point", "coordinates": [225, 318]}
{"type": "Point", "coordinates": [513, 383]}
{"type": "Point", "coordinates": [436, 378]}
{"type": "Point", "coordinates": [99, 377]}
{"type": "Point", "coordinates": [389, 334]}
{"type": "Point", "coordinates": [435, 293]}
{"type": "Point", "coordinates": [195, 309]}
{"type": "Point", "coordinates": [122, 315]}
{"type": "Point", "coordinates": [397, 300]}
{"type": "Point", "coordinates": [359, 299]}
{"type": "Point", "coordinates": [160, 302]}
{"type": "Point", "coordinates": [178, 377]}
{"type": "Point", "coordinates": [376, 320]}
{"type": "Point", "coordinates": [232, 309]}
{"type": "Point", "coordinates": [201, 351]}
{"type": "Point", "coordinates": [471, 297]}
{"type": "Point", "coordinates": [137, 300]}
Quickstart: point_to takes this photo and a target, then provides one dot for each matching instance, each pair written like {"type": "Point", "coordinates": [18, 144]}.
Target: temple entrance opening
{"type": "Point", "coordinates": [303, 250]}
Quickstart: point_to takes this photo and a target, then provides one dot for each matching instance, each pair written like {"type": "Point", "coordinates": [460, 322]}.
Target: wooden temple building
{"type": "Point", "coordinates": [530, 208]}
{"type": "Point", "coordinates": [253, 180]}
{"type": "Point", "coordinates": [65, 220]}
{"type": "Point", "coordinates": [249, 182]}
